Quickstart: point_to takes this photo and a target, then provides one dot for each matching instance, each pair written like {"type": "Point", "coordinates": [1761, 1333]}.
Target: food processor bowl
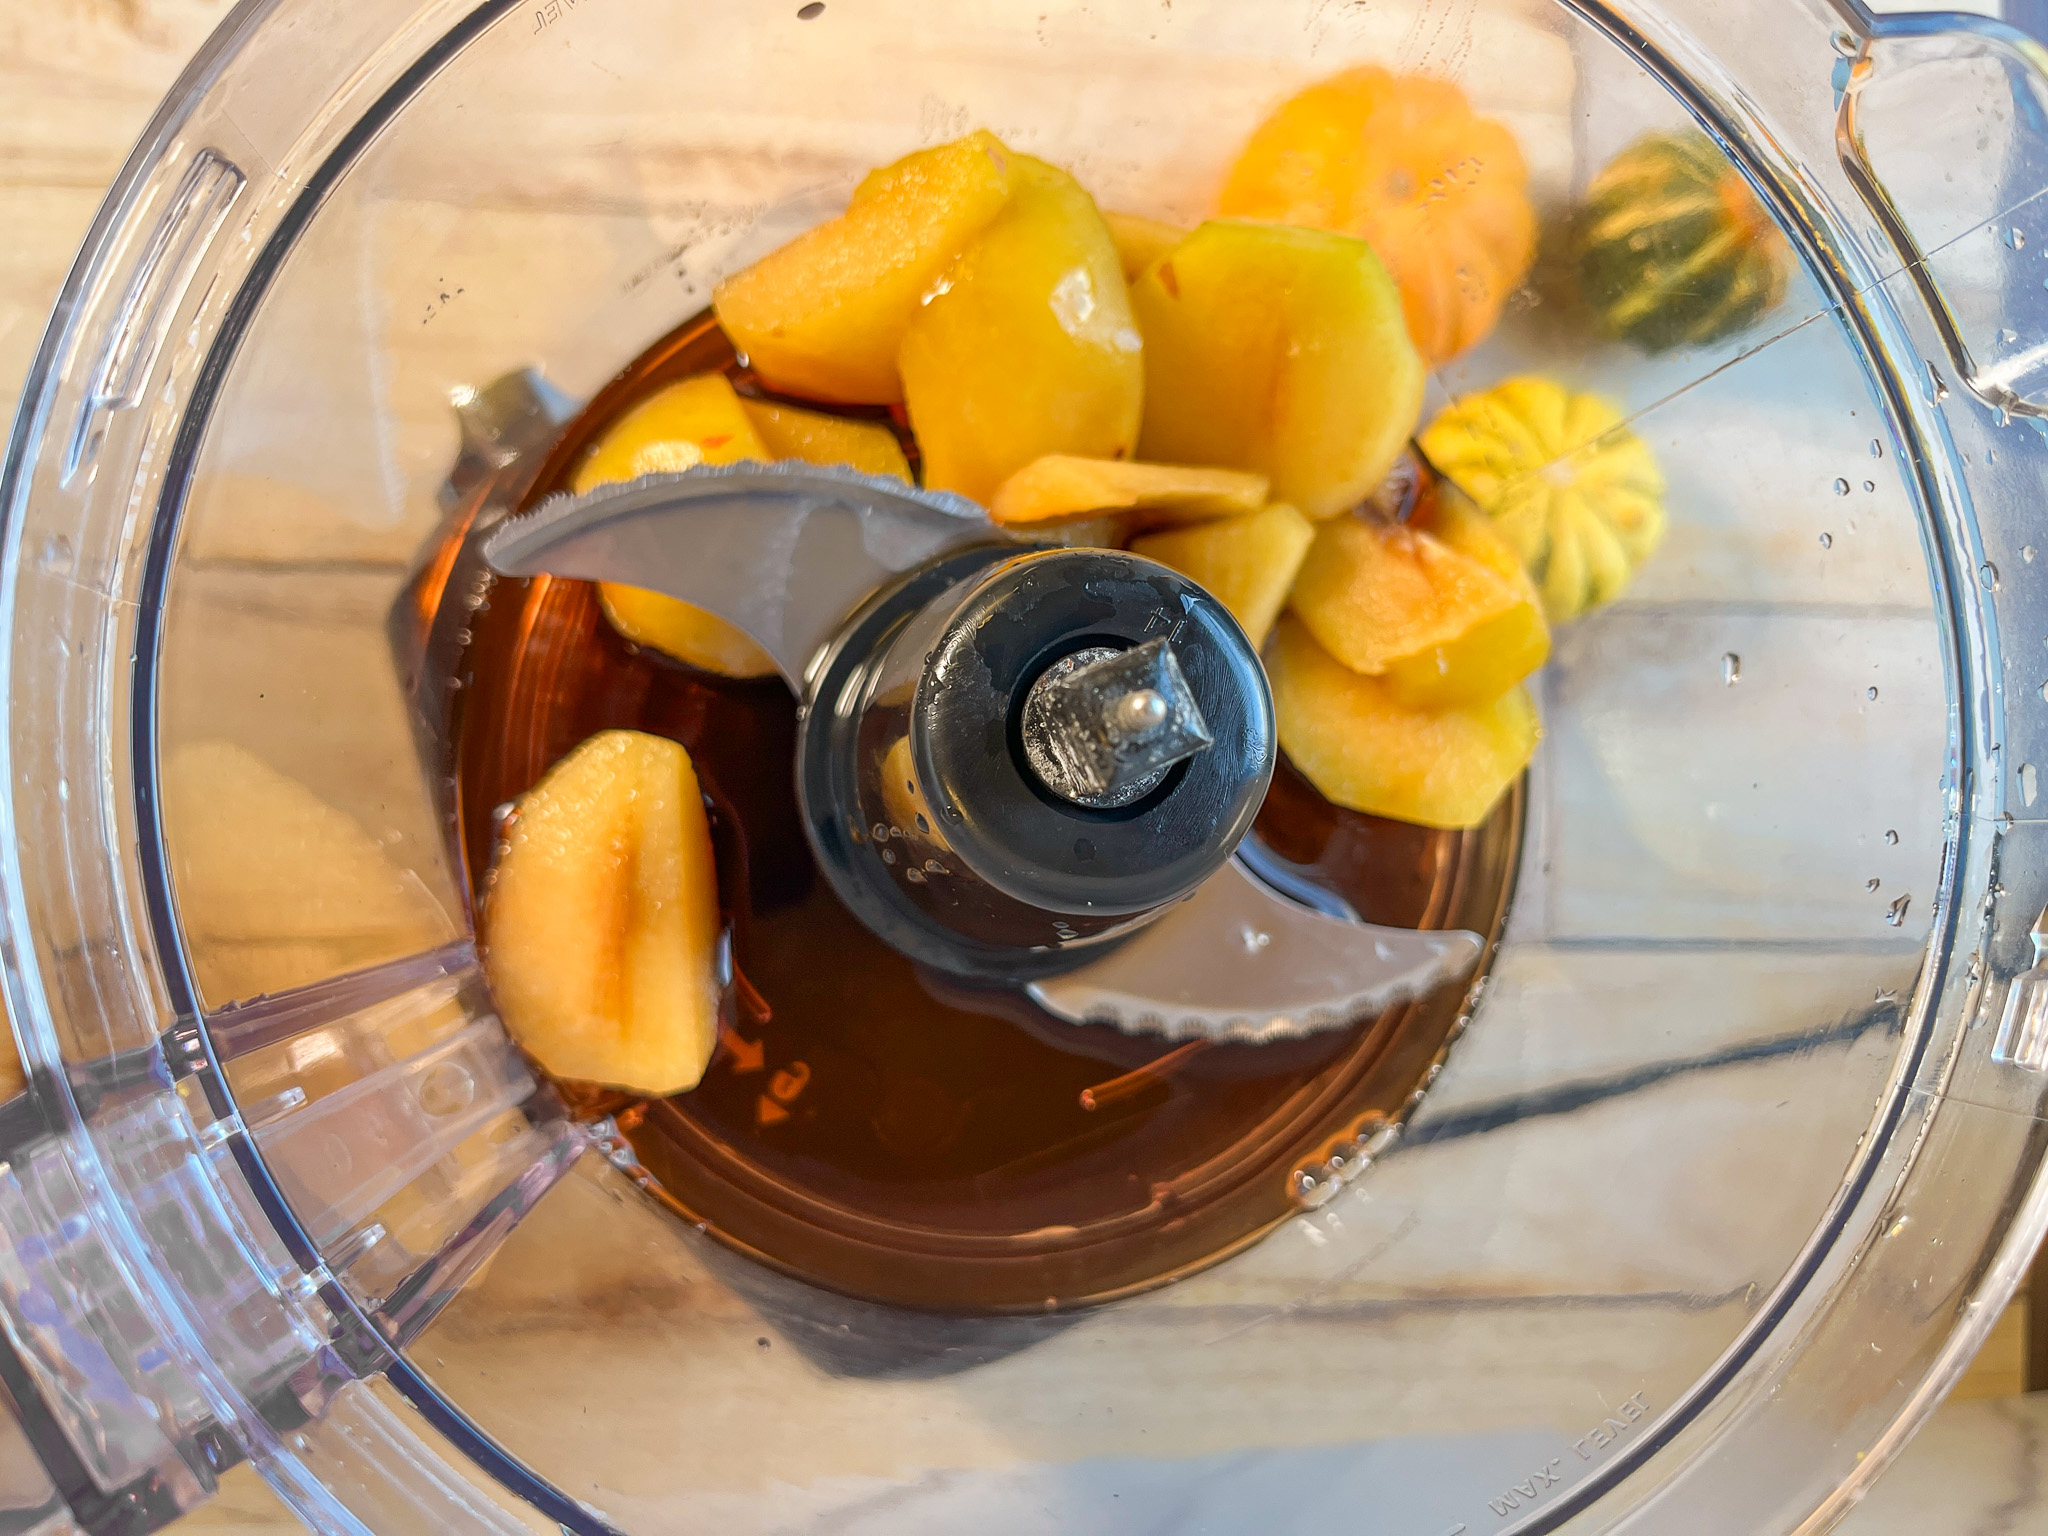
{"type": "Point", "coordinates": [1735, 1154]}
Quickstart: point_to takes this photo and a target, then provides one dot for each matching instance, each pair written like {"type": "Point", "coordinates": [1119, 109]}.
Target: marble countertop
{"type": "Point", "coordinates": [1977, 1470]}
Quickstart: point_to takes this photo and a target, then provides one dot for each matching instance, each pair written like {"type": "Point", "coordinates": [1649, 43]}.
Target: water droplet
{"type": "Point", "coordinates": [1844, 41]}
{"type": "Point", "coordinates": [57, 554]}
{"type": "Point", "coordinates": [1870, 694]}
{"type": "Point", "coordinates": [2044, 693]}
{"type": "Point", "coordinates": [888, 855]}
{"type": "Point", "coordinates": [1870, 485]}
{"type": "Point", "coordinates": [2008, 335]}
{"type": "Point", "coordinates": [1827, 540]}
{"type": "Point", "coordinates": [2016, 238]}
{"type": "Point", "coordinates": [1871, 884]}
{"type": "Point", "coordinates": [1987, 576]}
{"type": "Point", "coordinates": [1885, 995]}
{"type": "Point", "coordinates": [2030, 784]}
{"type": "Point", "coordinates": [1841, 487]}
{"type": "Point", "coordinates": [1892, 838]}
{"type": "Point", "coordinates": [1937, 386]}
{"type": "Point", "coordinates": [1895, 914]}
{"type": "Point", "coordinates": [1731, 669]}
{"type": "Point", "coordinates": [1876, 449]}
{"type": "Point", "coordinates": [2027, 553]}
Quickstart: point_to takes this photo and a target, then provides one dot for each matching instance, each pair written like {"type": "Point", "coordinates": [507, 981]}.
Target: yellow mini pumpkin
{"type": "Point", "coordinates": [1575, 494]}
{"type": "Point", "coordinates": [1402, 161]}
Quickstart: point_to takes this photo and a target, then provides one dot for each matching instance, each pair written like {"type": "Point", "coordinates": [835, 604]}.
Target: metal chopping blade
{"type": "Point", "coordinates": [786, 551]}
{"type": "Point", "coordinates": [783, 551]}
{"type": "Point", "coordinates": [1236, 961]}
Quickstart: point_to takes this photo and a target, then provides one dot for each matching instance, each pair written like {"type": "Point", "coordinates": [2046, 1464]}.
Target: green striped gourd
{"type": "Point", "coordinates": [1673, 247]}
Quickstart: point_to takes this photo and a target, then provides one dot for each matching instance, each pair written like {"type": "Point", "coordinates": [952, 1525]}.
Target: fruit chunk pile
{"type": "Point", "coordinates": [1233, 401]}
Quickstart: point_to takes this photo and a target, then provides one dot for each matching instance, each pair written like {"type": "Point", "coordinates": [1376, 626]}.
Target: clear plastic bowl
{"type": "Point", "coordinates": [1736, 1160]}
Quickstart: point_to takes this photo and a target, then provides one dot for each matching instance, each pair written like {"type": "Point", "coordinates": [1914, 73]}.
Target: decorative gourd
{"type": "Point", "coordinates": [1673, 247]}
{"type": "Point", "coordinates": [1575, 494]}
{"type": "Point", "coordinates": [1402, 161]}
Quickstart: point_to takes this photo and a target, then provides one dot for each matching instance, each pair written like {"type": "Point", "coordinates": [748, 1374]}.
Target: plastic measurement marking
{"type": "Point", "coordinates": [545, 16]}
{"type": "Point", "coordinates": [1593, 1444]}
{"type": "Point", "coordinates": [1530, 1489]}
{"type": "Point", "coordinates": [1612, 1428]}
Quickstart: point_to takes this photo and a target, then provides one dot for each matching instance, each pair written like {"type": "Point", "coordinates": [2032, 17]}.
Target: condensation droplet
{"type": "Point", "coordinates": [2027, 553]}
{"type": "Point", "coordinates": [1895, 914]}
{"type": "Point", "coordinates": [1876, 449]}
{"type": "Point", "coordinates": [2030, 784]}
{"type": "Point", "coordinates": [1870, 694]}
{"type": "Point", "coordinates": [1870, 485]}
{"type": "Point", "coordinates": [1937, 386]}
{"type": "Point", "coordinates": [2044, 693]}
{"type": "Point", "coordinates": [1871, 884]}
{"type": "Point", "coordinates": [2016, 238]}
{"type": "Point", "coordinates": [1841, 487]}
{"type": "Point", "coordinates": [1987, 576]}
{"type": "Point", "coordinates": [1892, 838]}
{"type": "Point", "coordinates": [1731, 669]}
{"type": "Point", "coordinates": [1827, 540]}
{"type": "Point", "coordinates": [56, 556]}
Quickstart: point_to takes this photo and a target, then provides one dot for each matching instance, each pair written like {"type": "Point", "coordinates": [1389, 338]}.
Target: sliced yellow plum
{"type": "Point", "coordinates": [825, 314]}
{"type": "Point", "coordinates": [1060, 487]}
{"type": "Point", "coordinates": [1452, 516]}
{"type": "Point", "coordinates": [683, 630]}
{"type": "Point", "coordinates": [698, 421]}
{"type": "Point", "coordinates": [1140, 241]}
{"type": "Point", "coordinates": [601, 923]}
{"type": "Point", "coordinates": [1363, 748]}
{"type": "Point", "coordinates": [1026, 346]}
{"type": "Point", "coordinates": [1439, 626]}
{"type": "Point", "coordinates": [1247, 563]}
{"type": "Point", "coordinates": [818, 438]}
{"type": "Point", "coordinates": [1279, 350]}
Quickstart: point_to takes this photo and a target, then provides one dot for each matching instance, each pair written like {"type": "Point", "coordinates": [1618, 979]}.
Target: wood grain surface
{"type": "Point", "coordinates": [78, 81]}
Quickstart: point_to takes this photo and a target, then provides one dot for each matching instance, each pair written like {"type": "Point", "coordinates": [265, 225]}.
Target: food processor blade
{"type": "Point", "coordinates": [782, 551]}
{"type": "Point", "coordinates": [1236, 961]}
{"type": "Point", "coordinates": [786, 551]}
